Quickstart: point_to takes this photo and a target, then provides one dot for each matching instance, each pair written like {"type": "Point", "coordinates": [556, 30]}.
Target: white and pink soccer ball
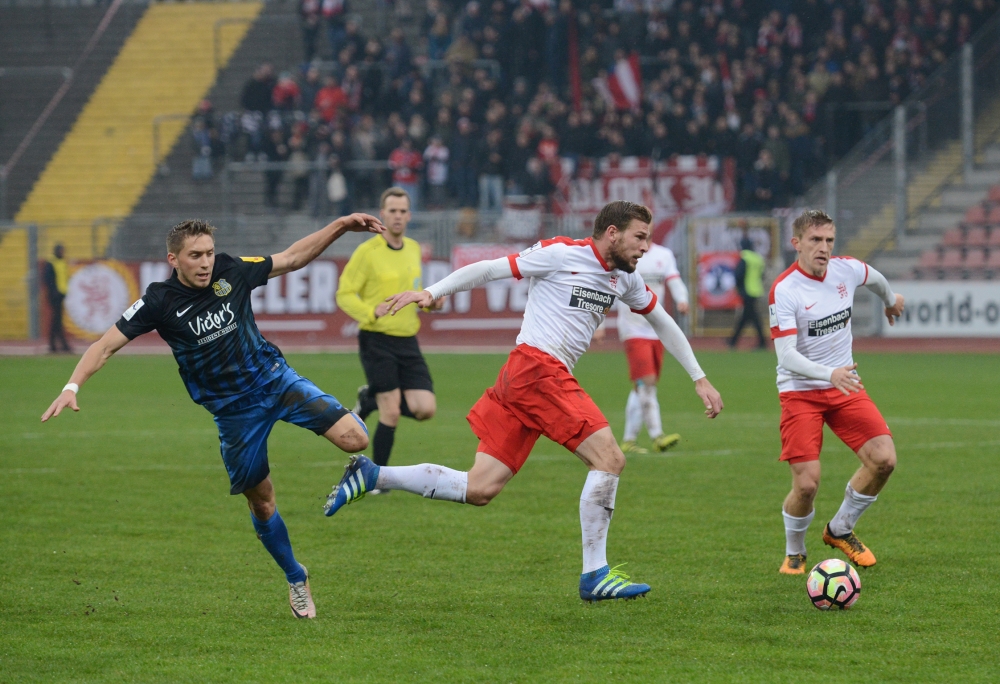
{"type": "Point", "coordinates": [833, 584]}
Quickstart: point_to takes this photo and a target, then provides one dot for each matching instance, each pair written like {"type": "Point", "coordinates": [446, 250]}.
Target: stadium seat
{"type": "Point", "coordinates": [976, 215]}
{"type": "Point", "coordinates": [976, 237]}
{"type": "Point", "coordinates": [929, 264]}
{"type": "Point", "coordinates": [993, 263]}
{"type": "Point", "coordinates": [994, 195]}
{"type": "Point", "coordinates": [954, 238]}
{"type": "Point", "coordinates": [975, 258]}
{"type": "Point", "coordinates": [952, 264]}
{"type": "Point", "coordinates": [930, 259]}
{"type": "Point", "coordinates": [994, 239]}
{"type": "Point", "coordinates": [993, 218]}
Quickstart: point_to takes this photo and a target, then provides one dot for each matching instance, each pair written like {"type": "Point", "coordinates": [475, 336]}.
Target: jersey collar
{"type": "Point", "coordinates": [810, 276]}
{"type": "Point", "coordinates": [600, 259]}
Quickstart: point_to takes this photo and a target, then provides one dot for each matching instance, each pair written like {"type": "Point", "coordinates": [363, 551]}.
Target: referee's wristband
{"type": "Point", "coordinates": [72, 387]}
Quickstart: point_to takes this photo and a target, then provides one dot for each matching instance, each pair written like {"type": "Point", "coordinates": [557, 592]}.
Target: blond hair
{"type": "Point", "coordinates": [810, 218]}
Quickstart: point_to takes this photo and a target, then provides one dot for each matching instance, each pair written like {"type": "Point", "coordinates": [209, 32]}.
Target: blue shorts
{"type": "Point", "coordinates": [245, 425]}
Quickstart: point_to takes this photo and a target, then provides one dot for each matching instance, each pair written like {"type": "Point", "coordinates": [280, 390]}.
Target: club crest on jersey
{"type": "Point", "coordinates": [842, 289]}
{"type": "Point", "coordinates": [613, 280]}
{"type": "Point", "coordinates": [221, 287]}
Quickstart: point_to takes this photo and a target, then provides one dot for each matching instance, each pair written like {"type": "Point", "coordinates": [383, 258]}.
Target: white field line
{"type": "Point", "coordinates": [337, 463]}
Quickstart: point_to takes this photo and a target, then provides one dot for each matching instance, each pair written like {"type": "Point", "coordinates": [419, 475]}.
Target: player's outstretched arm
{"type": "Point", "coordinates": [311, 246]}
{"type": "Point", "coordinates": [92, 361]}
{"type": "Point", "coordinates": [676, 343]}
{"type": "Point", "coordinates": [877, 283]}
{"type": "Point", "coordinates": [463, 279]}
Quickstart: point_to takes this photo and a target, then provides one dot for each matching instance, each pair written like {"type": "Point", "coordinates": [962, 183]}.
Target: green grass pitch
{"type": "Point", "coordinates": [125, 559]}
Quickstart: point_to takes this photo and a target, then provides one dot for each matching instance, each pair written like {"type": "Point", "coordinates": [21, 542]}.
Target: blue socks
{"type": "Point", "coordinates": [274, 536]}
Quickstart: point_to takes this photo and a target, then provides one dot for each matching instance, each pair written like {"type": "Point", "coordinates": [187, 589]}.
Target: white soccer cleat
{"type": "Point", "coordinates": [300, 598]}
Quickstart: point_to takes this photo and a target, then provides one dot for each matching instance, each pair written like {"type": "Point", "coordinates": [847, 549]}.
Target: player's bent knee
{"type": "Point", "coordinates": [353, 441]}
{"type": "Point", "coordinates": [424, 413]}
{"type": "Point", "coordinates": [389, 417]}
{"type": "Point", "coordinates": [615, 462]}
{"type": "Point", "coordinates": [806, 489]}
{"type": "Point", "coordinates": [262, 510]}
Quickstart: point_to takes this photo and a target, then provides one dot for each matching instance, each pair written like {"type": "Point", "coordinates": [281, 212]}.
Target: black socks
{"type": "Point", "coordinates": [382, 444]}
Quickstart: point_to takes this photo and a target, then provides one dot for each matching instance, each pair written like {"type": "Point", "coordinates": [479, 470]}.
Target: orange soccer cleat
{"type": "Point", "coordinates": [856, 552]}
{"type": "Point", "coordinates": [795, 564]}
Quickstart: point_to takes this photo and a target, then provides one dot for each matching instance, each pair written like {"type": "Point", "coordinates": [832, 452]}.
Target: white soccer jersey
{"type": "Point", "coordinates": [656, 267]}
{"type": "Point", "coordinates": [818, 312]}
{"type": "Point", "coordinates": [571, 291]}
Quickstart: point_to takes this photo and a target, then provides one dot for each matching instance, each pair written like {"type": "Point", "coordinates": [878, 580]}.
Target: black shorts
{"type": "Point", "coordinates": [393, 363]}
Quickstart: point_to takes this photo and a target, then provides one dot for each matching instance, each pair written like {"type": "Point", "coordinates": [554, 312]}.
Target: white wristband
{"type": "Point", "coordinates": [72, 387]}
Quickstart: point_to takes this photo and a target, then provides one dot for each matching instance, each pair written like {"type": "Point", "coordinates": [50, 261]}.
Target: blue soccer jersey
{"type": "Point", "coordinates": [220, 353]}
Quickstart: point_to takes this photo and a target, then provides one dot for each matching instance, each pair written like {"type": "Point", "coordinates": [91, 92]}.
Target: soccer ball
{"type": "Point", "coordinates": [833, 584]}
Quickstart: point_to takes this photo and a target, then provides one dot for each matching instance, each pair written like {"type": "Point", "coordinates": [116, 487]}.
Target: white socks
{"type": "Point", "coordinates": [597, 503]}
{"type": "Point", "coordinates": [642, 407]}
{"type": "Point", "coordinates": [650, 409]}
{"type": "Point", "coordinates": [633, 417]}
{"type": "Point", "coordinates": [852, 508]}
{"type": "Point", "coordinates": [845, 520]}
{"type": "Point", "coordinates": [428, 480]}
{"type": "Point", "coordinates": [795, 532]}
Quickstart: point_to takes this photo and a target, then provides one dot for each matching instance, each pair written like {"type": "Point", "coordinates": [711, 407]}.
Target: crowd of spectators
{"type": "Point", "coordinates": [488, 102]}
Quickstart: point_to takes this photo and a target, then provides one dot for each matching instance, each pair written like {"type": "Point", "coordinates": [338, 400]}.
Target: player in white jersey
{"type": "Point", "coordinates": [810, 307]}
{"type": "Point", "coordinates": [574, 283]}
{"type": "Point", "coordinates": [658, 269]}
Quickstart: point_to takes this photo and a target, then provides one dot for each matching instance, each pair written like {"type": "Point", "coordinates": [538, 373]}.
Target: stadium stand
{"type": "Point", "coordinates": [970, 250]}
{"type": "Point", "coordinates": [729, 78]}
{"type": "Point", "coordinates": [104, 163]}
{"type": "Point", "coordinates": [35, 43]}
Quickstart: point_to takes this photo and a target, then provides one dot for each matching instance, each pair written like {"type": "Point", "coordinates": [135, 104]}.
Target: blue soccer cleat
{"type": "Point", "coordinates": [605, 584]}
{"type": "Point", "coordinates": [360, 476]}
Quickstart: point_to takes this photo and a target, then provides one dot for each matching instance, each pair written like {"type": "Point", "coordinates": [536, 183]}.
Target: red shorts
{"type": "Point", "coordinates": [645, 358]}
{"type": "Point", "coordinates": [854, 419]}
{"type": "Point", "coordinates": [533, 395]}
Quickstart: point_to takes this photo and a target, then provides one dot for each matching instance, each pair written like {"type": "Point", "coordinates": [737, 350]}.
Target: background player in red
{"type": "Point", "coordinates": [644, 351]}
{"type": "Point", "coordinates": [574, 283]}
{"type": "Point", "coordinates": [810, 308]}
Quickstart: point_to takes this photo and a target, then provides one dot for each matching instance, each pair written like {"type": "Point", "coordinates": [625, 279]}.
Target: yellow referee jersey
{"type": "Point", "coordinates": [377, 271]}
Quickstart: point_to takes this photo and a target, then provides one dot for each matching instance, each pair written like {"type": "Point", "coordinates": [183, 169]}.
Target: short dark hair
{"type": "Point", "coordinates": [182, 231]}
{"type": "Point", "coordinates": [393, 192]}
{"type": "Point", "coordinates": [810, 218]}
{"type": "Point", "coordinates": [619, 214]}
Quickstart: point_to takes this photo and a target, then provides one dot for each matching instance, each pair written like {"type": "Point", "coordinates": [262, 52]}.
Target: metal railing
{"type": "Point", "coordinates": [945, 112]}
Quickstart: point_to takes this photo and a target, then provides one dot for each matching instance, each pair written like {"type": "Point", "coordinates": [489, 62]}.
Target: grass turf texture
{"type": "Point", "coordinates": [125, 559]}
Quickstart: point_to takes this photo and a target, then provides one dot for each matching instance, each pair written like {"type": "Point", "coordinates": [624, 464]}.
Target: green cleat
{"type": "Point", "coordinates": [665, 442]}
{"type": "Point", "coordinates": [631, 447]}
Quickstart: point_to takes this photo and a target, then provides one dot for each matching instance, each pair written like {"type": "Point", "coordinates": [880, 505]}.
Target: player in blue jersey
{"type": "Point", "coordinates": [203, 312]}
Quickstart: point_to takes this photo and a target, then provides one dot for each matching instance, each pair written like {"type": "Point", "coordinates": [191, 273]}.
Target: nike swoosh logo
{"type": "Point", "coordinates": [181, 313]}
{"type": "Point", "coordinates": [811, 305]}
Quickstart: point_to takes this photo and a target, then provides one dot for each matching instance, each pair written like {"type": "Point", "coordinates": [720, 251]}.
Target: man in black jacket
{"type": "Point", "coordinates": [56, 278]}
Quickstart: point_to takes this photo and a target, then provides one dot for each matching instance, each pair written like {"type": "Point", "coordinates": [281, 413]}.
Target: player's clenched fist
{"type": "Point", "coordinates": [709, 396]}
{"type": "Point", "coordinates": [66, 398]}
{"type": "Point", "coordinates": [895, 311]}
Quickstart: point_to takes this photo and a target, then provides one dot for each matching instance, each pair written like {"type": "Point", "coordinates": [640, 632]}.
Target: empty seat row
{"type": "Point", "coordinates": [972, 236]}
{"type": "Point", "coordinates": [959, 263]}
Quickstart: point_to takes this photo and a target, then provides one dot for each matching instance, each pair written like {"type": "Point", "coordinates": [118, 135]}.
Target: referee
{"type": "Point", "coordinates": [399, 382]}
